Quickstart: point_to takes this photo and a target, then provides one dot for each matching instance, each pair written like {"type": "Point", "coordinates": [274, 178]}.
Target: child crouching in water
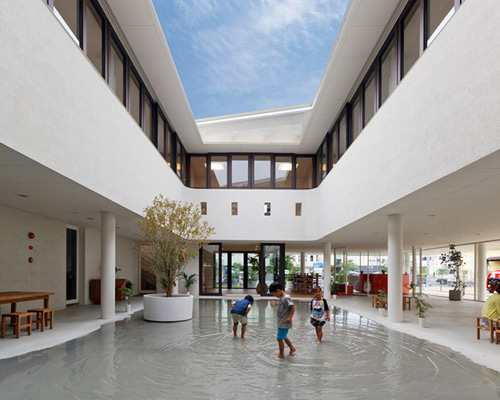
{"type": "Point", "coordinates": [286, 309]}
{"type": "Point", "coordinates": [239, 312]}
{"type": "Point", "coordinates": [319, 312]}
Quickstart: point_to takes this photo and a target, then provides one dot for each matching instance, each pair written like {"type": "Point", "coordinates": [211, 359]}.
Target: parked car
{"type": "Point", "coordinates": [493, 280]}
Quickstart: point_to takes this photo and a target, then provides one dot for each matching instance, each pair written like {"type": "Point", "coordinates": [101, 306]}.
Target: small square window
{"type": "Point", "coordinates": [234, 208]}
{"type": "Point", "coordinates": [267, 209]}
{"type": "Point", "coordinates": [203, 208]}
{"type": "Point", "coordinates": [298, 209]}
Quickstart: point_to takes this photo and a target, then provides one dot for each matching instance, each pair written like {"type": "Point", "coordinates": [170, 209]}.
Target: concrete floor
{"type": "Point", "coordinates": [451, 324]}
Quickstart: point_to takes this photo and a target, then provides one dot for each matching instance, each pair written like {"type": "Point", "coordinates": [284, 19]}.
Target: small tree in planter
{"type": "Point", "coordinates": [128, 291]}
{"type": "Point", "coordinates": [453, 260]}
{"type": "Point", "coordinates": [172, 232]}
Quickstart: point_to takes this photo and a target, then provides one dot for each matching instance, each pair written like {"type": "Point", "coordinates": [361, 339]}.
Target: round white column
{"type": "Point", "coordinates": [302, 262]}
{"type": "Point", "coordinates": [108, 263]}
{"type": "Point", "coordinates": [481, 270]}
{"type": "Point", "coordinates": [395, 267]}
{"type": "Point", "coordinates": [327, 269]}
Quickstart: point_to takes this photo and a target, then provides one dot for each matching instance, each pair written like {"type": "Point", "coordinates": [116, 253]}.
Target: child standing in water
{"type": "Point", "coordinates": [319, 312]}
{"type": "Point", "coordinates": [286, 309]}
{"type": "Point", "coordinates": [239, 312]}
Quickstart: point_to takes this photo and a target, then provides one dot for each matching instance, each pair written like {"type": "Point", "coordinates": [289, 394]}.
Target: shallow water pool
{"type": "Point", "coordinates": [199, 359]}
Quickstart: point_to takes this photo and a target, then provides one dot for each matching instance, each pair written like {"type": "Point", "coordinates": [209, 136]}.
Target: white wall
{"type": "Point", "coordinates": [47, 273]}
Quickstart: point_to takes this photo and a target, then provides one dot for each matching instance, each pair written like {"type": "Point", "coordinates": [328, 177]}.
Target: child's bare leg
{"type": "Point", "coordinates": [281, 346]}
{"type": "Point", "coordinates": [319, 332]}
{"type": "Point", "coordinates": [235, 330]}
{"type": "Point", "coordinates": [289, 344]}
{"type": "Point", "coordinates": [243, 329]}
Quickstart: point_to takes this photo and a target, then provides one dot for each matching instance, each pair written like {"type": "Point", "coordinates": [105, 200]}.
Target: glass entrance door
{"type": "Point", "coordinates": [237, 270]}
{"type": "Point", "coordinates": [272, 266]}
{"type": "Point", "coordinates": [211, 269]}
{"type": "Point", "coordinates": [71, 266]}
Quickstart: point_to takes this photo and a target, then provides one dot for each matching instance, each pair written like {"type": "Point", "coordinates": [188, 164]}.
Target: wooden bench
{"type": "Point", "coordinates": [492, 328]}
{"type": "Point", "coordinates": [44, 316]}
{"type": "Point", "coordinates": [406, 302]}
{"type": "Point", "coordinates": [16, 322]}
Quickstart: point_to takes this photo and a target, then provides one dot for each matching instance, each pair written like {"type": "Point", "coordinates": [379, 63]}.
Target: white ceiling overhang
{"type": "Point", "coordinates": [298, 132]}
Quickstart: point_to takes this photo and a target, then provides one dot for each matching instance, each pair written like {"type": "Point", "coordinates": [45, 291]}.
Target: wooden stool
{"type": "Point", "coordinates": [491, 328]}
{"type": "Point", "coordinates": [15, 322]}
{"type": "Point", "coordinates": [406, 301]}
{"type": "Point", "coordinates": [43, 317]}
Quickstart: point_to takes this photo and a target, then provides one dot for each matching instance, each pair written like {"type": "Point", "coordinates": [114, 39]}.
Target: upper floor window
{"type": "Point", "coordinates": [239, 171]}
{"type": "Point", "coordinates": [198, 172]}
{"type": "Point", "coordinates": [439, 13]}
{"type": "Point", "coordinates": [135, 97]}
{"type": "Point", "coordinates": [411, 37]}
{"type": "Point", "coordinates": [218, 171]}
{"type": "Point", "coordinates": [116, 71]}
{"type": "Point", "coordinates": [94, 37]}
{"type": "Point", "coordinates": [304, 172]}
{"type": "Point", "coordinates": [67, 12]}
{"type": "Point", "coordinates": [283, 172]}
{"type": "Point", "coordinates": [148, 118]}
{"type": "Point", "coordinates": [262, 171]}
{"type": "Point", "coordinates": [388, 72]}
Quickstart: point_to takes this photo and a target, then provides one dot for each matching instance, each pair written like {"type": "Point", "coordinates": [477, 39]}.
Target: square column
{"type": "Point", "coordinates": [395, 267]}
{"type": "Point", "coordinates": [108, 263]}
{"type": "Point", "coordinates": [481, 270]}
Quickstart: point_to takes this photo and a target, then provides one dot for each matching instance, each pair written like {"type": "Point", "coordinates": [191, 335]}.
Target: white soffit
{"type": "Point", "coordinates": [299, 129]}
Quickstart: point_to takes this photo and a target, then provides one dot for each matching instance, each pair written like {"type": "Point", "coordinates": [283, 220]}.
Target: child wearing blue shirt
{"type": "Point", "coordinates": [239, 312]}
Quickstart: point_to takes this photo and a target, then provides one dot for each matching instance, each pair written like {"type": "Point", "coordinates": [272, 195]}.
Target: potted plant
{"type": "Point", "coordinates": [172, 232]}
{"type": "Point", "coordinates": [334, 287]}
{"type": "Point", "coordinates": [422, 307]}
{"type": "Point", "coordinates": [453, 260]}
{"type": "Point", "coordinates": [128, 291]}
{"type": "Point", "coordinates": [382, 302]}
{"type": "Point", "coordinates": [189, 280]}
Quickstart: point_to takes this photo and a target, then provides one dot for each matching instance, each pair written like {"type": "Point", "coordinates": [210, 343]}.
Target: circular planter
{"type": "Point", "coordinates": [160, 308]}
{"type": "Point", "coordinates": [382, 311]}
{"type": "Point", "coordinates": [421, 322]}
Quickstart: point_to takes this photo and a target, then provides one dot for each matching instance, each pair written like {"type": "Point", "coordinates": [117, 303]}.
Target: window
{"type": "Point", "coordinates": [356, 117]}
{"type": "Point", "coordinates": [262, 172]}
{"type": "Point", "coordinates": [169, 142]}
{"type": "Point", "coordinates": [94, 37]}
{"type": "Point", "coordinates": [440, 11]}
{"type": "Point", "coordinates": [203, 208]}
{"type": "Point", "coordinates": [267, 209]}
{"type": "Point", "coordinates": [218, 172]}
{"type": "Point", "coordinates": [178, 158]}
{"type": "Point", "coordinates": [234, 208]}
{"type": "Point", "coordinates": [135, 96]}
{"type": "Point", "coordinates": [298, 209]}
{"type": "Point", "coordinates": [283, 172]}
{"type": "Point", "coordinates": [388, 72]}
{"type": "Point", "coordinates": [342, 136]}
{"type": "Point", "coordinates": [198, 171]}
{"type": "Point", "coordinates": [239, 171]}
{"type": "Point", "coordinates": [324, 164]}
{"type": "Point", "coordinates": [335, 145]}
{"type": "Point", "coordinates": [161, 135]}
{"type": "Point", "coordinates": [369, 99]}
{"type": "Point", "coordinates": [148, 118]}
{"type": "Point", "coordinates": [116, 75]}
{"type": "Point", "coordinates": [67, 12]}
{"type": "Point", "coordinates": [304, 172]}
{"type": "Point", "coordinates": [411, 38]}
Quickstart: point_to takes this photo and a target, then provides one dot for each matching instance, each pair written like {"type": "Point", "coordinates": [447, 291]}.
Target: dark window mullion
{"type": "Point", "coordinates": [209, 168]}
{"type": "Point", "coordinates": [294, 171]}
{"type": "Point", "coordinates": [250, 171]}
{"type": "Point", "coordinates": [424, 26]}
{"type": "Point", "coordinates": [273, 172]}
{"type": "Point", "coordinates": [106, 49]}
{"type": "Point", "coordinates": [83, 25]}
{"type": "Point", "coordinates": [229, 171]}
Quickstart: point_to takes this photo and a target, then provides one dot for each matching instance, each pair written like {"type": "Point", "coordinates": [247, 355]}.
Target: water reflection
{"type": "Point", "coordinates": [199, 359]}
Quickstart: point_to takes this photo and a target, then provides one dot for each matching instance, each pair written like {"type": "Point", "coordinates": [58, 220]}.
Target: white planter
{"type": "Point", "coordinates": [421, 322]}
{"type": "Point", "coordinates": [334, 296]}
{"type": "Point", "coordinates": [160, 308]}
{"type": "Point", "coordinates": [382, 311]}
{"type": "Point", "coordinates": [128, 308]}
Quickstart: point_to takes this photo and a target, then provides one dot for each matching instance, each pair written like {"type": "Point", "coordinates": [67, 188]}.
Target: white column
{"type": "Point", "coordinates": [481, 270]}
{"type": "Point", "coordinates": [395, 267]}
{"type": "Point", "coordinates": [108, 262]}
{"type": "Point", "coordinates": [327, 269]}
{"type": "Point", "coordinates": [414, 269]}
{"type": "Point", "coordinates": [302, 262]}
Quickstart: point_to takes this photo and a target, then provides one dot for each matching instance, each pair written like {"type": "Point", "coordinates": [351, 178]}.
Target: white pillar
{"type": "Point", "coordinates": [302, 262]}
{"type": "Point", "coordinates": [108, 262]}
{"type": "Point", "coordinates": [395, 267]}
{"type": "Point", "coordinates": [327, 269]}
{"type": "Point", "coordinates": [414, 269]}
{"type": "Point", "coordinates": [481, 270]}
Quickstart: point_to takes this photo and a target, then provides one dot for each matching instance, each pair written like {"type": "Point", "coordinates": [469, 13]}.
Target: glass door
{"type": "Point", "coordinates": [237, 270]}
{"type": "Point", "coordinates": [272, 266]}
{"type": "Point", "coordinates": [211, 269]}
{"type": "Point", "coordinates": [253, 268]}
{"type": "Point", "coordinates": [71, 266]}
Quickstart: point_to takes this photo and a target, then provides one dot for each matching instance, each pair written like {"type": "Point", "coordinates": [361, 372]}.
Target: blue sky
{"type": "Point", "coordinates": [236, 56]}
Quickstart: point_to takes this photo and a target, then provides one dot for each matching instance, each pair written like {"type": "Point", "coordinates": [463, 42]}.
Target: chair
{"type": "Point", "coordinates": [16, 322]}
{"type": "Point", "coordinates": [406, 302]}
{"type": "Point", "coordinates": [44, 316]}
{"type": "Point", "coordinates": [492, 325]}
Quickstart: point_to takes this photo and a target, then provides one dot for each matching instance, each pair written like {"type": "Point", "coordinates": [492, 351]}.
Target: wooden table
{"type": "Point", "coordinates": [16, 297]}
